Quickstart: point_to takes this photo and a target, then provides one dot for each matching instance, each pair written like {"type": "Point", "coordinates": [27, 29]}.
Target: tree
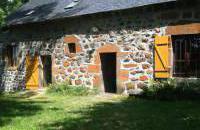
{"type": "Point", "coordinates": [8, 6]}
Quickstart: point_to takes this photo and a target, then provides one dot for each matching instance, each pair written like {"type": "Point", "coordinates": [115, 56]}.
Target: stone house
{"type": "Point", "coordinates": [114, 45]}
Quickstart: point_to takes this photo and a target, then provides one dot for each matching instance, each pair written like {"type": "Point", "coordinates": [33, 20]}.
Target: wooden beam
{"type": "Point", "coordinates": [193, 28]}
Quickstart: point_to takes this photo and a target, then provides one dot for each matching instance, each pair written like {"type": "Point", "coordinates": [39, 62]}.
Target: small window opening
{"type": "Point", "coordinates": [72, 47]}
{"type": "Point", "coordinates": [72, 4]}
{"type": "Point", "coordinates": [30, 12]}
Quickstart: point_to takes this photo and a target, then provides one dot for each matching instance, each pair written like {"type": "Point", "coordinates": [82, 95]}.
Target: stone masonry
{"type": "Point", "coordinates": [130, 34]}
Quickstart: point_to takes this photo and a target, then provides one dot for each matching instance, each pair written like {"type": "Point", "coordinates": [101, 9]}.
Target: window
{"type": "Point", "coordinates": [11, 55]}
{"type": "Point", "coordinates": [72, 47]}
{"type": "Point", "coordinates": [30, 12]}
{"type": "Point", "coordinates": [186, 51]}
{"type": "Point", "coordinates": [72, 4]}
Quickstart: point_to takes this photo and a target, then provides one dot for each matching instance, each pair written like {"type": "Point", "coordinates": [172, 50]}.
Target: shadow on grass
{"type": "Point", "coordinates": [137, 114]}
{"type": "Point", "coordinates": [27, 94]}
{"type": "Point", "coordinates": [11, 108]}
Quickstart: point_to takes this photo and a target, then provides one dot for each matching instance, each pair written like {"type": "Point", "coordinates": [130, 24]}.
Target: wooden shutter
{"type": "Point", "coordinates": [32, 72]}
{"type": "Point", "coordinates": [162, 57]}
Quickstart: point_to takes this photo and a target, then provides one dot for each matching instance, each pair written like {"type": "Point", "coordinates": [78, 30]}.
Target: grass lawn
{"type": "Point", "coordinates": [111, 112]}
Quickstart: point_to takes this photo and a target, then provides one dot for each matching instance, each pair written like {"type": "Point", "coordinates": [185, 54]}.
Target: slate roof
{"type": "Point", "coordinates": [42, 10]}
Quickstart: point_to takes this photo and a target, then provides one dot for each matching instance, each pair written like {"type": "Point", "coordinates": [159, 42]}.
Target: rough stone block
{"type": "Point", "coordinates": [130, 65]}
{"type": "Point", "coordinates": [66, 64]}
{"type": "Point", "coordinates": [96, 81]}
{"type": "Point", "coordinates": [124, 75]}
{"type": "Point", "coordinates": [78, 82]}
{"type": "Point", "coordinates": [146, 66]}
{"type": "Point", "coordinates": [93, 68]}
{"type": "Point", "coordinates": [144, 78]}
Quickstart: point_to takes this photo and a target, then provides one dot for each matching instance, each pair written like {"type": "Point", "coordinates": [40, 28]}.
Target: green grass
{"type": "Point", "coordinates": [68, 90]}
{"type": "Point", "coordinates": [30, 111]}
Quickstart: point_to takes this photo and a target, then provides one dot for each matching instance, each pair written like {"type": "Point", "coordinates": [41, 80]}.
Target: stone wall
{"type": "Point", "coordinates": [128, 33]}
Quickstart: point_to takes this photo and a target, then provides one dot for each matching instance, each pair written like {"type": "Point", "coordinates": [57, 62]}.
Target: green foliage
{"type": "Point", "coordinates": [1, 93]}
{"type": "Point", "coordinates": [68, 90]}
{"type": "Point", "coordinates": [104, 112]}
{"type": "Point", "coordinates": [7, 7]}
{"type": "Point", "coordinates": [172, 89]}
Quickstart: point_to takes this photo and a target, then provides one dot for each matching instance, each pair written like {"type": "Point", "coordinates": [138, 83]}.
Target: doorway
{"type": "Point", "coordinates": [46, 70]}
{"type": "Point", "coordinates": [109, 73]}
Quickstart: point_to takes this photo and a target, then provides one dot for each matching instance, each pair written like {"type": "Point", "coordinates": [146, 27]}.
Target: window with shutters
{"type": "Point", "coordinates": [186, 52]}
{"type": "Point", "coordinates": [72, 47]}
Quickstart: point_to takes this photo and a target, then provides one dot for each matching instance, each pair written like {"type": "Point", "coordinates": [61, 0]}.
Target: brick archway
{"type": "Point", "coordinates": [97, 70]}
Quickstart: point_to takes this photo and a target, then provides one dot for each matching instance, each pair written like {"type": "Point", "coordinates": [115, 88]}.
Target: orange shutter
{"type": "Point", "coordinates": [162, 57]}
{"type": "Point", "coordinates": [32, 72]}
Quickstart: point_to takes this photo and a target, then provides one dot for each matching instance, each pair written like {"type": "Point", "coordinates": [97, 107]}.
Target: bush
{"type": "Point", "coordinates": [66, 89]}
{"type": "Point", "coordinates": [172, 89]}
{"type": "Point", "coordinates": [1, 93]}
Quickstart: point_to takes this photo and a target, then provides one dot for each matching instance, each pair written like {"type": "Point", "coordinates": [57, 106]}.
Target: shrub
{"type": "Point", "coordinates": [1, 93]}
{"type": "Point", "coordinates": [172, 89]}
{"type": "Point", "coordinates": [66, 89]}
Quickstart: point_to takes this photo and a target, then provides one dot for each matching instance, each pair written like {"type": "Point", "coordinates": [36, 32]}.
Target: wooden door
{"type": "Point", "coordinates": [46, 70]}
{"type": "Point", "coordinates": [32, 72]}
